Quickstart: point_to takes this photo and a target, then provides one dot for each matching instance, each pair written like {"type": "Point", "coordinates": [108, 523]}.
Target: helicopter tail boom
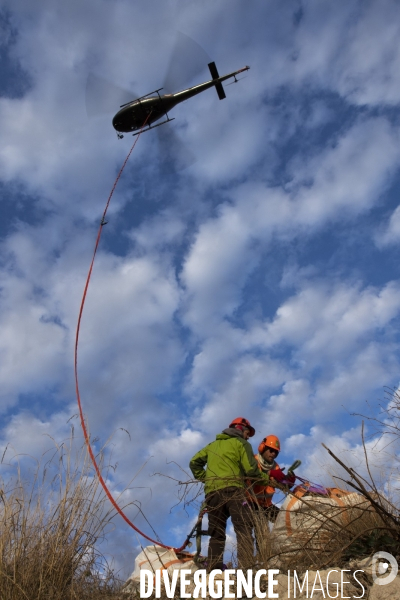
{"type": "Point", "coordinates": [215, 75]}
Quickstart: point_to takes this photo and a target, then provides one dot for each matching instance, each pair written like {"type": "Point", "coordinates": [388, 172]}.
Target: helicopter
{"type": "Point", "coordinates": [153, 106]}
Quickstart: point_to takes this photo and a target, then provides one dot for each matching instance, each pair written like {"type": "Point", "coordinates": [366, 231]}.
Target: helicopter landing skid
{"type": "Point", "coordinates": [154, 126]}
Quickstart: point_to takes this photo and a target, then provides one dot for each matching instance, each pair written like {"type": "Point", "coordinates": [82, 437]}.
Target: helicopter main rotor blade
{"type": "Point", "coordinates": [174, 154]}
{"type": "Point", "coordinates": [104, 97]}
{"type": "Point", "coordinates": [188, 60]}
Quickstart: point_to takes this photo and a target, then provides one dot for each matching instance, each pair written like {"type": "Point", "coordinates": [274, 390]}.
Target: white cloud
{"type": "Point", "coordinates": [293, 406]}
{"type": "Point", "coordinates": [391, 233]}
{"type": "Point", "coordinates": [251, 378]}
{"type": "Point", "coordinates": [331, 49]}
{"type": "Point", "coordinates": [328, 318]}
{"type": "Point", "coordinates": [368, 73]}
{"type": "Point", "coordinates": [159, 233]}
{"type": "Point", "coordinates": [328, 360]}
{"type": "Point", "coordinates": [350, 177]}
{"type": "Point", "coordinates": [28, 437]}
{"type": "Point", "coordinates": [171, 447]}
{"type": "Point", "coordinates": [216, 269]}
{"type": "Point", "coordinates": [319, 466]}
{"type": "Point", "coordinates": [347, 179]}
{"type": "Point", "coordinates": [127, 333]}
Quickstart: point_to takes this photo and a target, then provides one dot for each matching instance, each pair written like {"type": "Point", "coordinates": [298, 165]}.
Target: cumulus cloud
{"type": "Point", "coordinates": [329, 318]}
{"type": "Point", "coordinates": [368, 75]}
{"type": "Point", "coordinates": [390, 232]}
{"type": "Point", "coordinates": [318, 465]}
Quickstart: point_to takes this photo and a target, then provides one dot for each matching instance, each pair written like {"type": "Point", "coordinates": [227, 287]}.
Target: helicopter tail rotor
{"type": "Point", "coordinates": [215, 75]}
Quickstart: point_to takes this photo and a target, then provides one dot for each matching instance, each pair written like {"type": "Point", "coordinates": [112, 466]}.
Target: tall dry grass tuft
{"type": "Point", "coordinates": [50, 523]}
{"type": "Point", "coordinates": [266, 548]}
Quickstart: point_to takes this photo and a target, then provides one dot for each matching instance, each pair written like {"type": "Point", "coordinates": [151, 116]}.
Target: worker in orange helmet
{"type": "Point", "coordinates": [261, 495]}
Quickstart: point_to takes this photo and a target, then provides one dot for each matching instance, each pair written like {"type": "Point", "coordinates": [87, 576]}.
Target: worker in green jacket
{"type": "Point", "coordinates": [229, 462]}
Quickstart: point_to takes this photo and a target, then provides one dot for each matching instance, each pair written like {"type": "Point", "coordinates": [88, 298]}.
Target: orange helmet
{"type": "Point", "coordinates": [244, 423]}
{"type": "Point", "coordinates": [271, 441]}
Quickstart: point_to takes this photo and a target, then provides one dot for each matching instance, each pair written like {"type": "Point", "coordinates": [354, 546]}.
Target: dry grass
{"type": "Point", "coordinates": [49, 528]}
{"type": "Point", "coordinates": [328, 536]}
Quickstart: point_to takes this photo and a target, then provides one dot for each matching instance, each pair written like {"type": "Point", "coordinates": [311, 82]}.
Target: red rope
{"type": "Point", "coordinates": [83, 424]}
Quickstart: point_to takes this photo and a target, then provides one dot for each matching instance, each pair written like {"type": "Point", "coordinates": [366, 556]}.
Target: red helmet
{"type": "Point", "coordinates": [271, 441]}
{"type": "Point", "coordinates": [244, 423]}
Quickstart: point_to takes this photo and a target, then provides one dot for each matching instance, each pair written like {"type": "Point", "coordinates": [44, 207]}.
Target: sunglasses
{"type": "Point", "coordinates": [276, 452]}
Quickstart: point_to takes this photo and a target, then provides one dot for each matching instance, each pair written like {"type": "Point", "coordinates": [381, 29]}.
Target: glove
{"type": "Point", "coordinates": [282, 477]}
{"type": "Point", "coordinates": [277, 474]}
{"type": "Point", "coordinates": [289, 480]}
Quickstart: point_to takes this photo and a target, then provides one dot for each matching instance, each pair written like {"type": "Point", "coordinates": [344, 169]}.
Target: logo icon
{"type": "Point", "coordinates": [381, 561]}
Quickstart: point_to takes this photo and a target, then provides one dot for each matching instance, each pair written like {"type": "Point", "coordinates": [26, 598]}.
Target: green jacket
{"type": "Point", "coordinates": [230, 461]}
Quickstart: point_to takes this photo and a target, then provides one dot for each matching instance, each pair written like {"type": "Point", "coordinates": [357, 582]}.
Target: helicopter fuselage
{"type": "Point", "coordinates": [149, 109]}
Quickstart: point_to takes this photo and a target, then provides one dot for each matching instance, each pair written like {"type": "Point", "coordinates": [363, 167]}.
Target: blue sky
{"type": "Point", "coordinates": [262, 281]}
